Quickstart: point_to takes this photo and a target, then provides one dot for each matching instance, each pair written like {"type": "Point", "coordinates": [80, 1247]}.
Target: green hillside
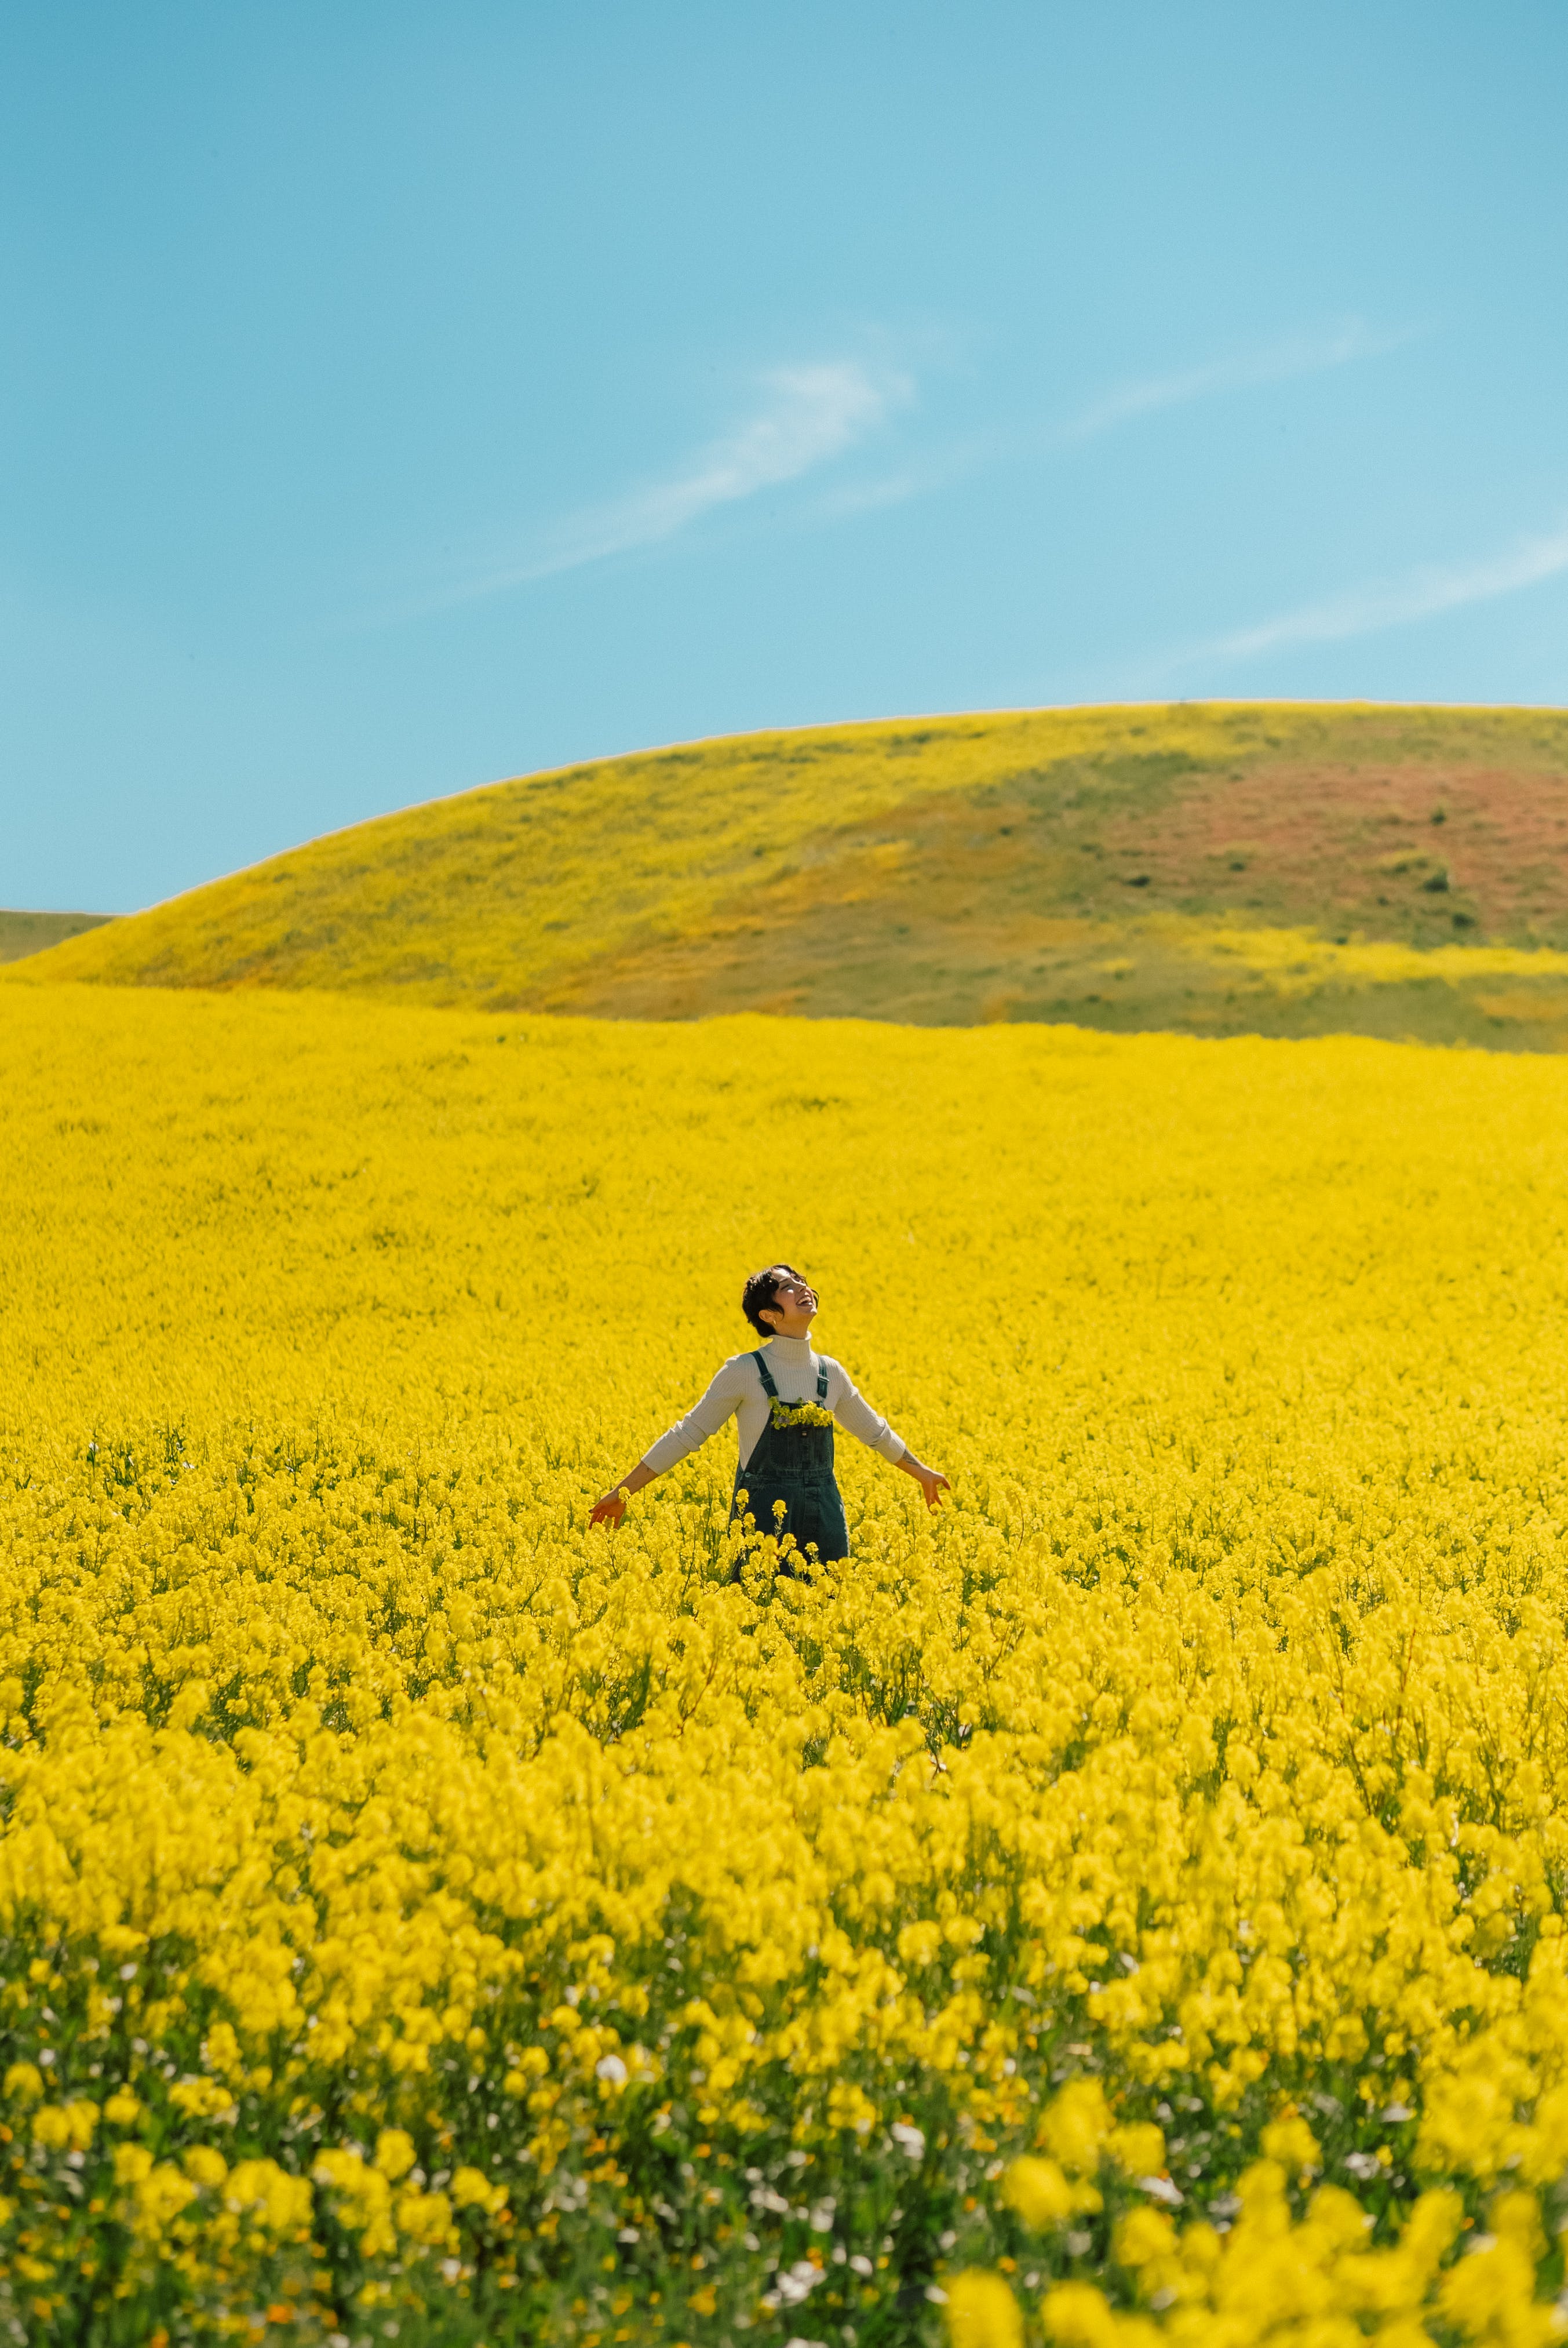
{"type": "Point", "coordinates": [29, 933]}
{"type": "Point", "coordinates": [1288, 869]}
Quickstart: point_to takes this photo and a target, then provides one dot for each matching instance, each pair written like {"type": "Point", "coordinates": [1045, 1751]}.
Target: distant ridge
{"type": "Point", "coordinates": [1284, 869]}
{"type": "Point", "coordinates": [30, 934]}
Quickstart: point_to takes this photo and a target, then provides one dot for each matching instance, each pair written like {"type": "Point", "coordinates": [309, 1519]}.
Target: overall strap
{"type": "Point", "coordinates": [821, 1379]}
{"type": "Point", "coordinates": [769, 1388]}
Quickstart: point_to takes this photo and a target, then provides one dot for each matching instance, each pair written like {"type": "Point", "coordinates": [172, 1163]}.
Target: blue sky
{"type": "Point", "coordinates": [395, 397]}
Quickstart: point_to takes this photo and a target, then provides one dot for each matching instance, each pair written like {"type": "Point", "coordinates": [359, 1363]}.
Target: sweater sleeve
{"type": "Point", "coordinates": [856, 1416]}
{"type": "Point", "coordinates": [705, 1418]}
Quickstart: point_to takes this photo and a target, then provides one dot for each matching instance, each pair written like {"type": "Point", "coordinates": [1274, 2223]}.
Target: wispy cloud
{"type": "Point", "coordinates": [1308, 354]}
{"type": "Point", "coordinates": [1276, 362]}
{"type": "Point", "coordinates": [1417, 594]}
{"type": "Point", "coordinates": [934, 469]}
{"type": "Point", "coordinates": [808, 415]}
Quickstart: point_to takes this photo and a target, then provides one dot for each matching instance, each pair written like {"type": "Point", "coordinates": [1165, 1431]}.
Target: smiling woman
{"type": "Point", "coordinates": [786, 1398]}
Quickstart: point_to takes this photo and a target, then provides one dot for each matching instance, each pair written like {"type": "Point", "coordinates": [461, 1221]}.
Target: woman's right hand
{"type": "Point", "coordinates": [612, 1507]}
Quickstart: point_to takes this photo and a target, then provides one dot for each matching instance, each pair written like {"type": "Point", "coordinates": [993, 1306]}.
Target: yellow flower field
{"type": "Point", "coordinates": [1127, 1906]}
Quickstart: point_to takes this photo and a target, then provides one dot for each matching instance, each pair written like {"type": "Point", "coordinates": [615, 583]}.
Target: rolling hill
{"type": "Point", "coordinates": [1224, 867]}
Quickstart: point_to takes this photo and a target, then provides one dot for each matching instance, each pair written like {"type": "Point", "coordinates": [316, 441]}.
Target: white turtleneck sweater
{"type": "Point", "coordinates": [793, 1367]}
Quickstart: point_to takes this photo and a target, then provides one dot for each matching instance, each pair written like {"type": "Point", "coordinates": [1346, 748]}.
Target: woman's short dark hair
{"type": "Point", "coordinates": [761, 1292]}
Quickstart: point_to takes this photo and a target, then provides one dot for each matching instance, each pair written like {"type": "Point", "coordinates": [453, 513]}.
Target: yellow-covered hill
{"type": "Point", "coordinates": [1283, 869]}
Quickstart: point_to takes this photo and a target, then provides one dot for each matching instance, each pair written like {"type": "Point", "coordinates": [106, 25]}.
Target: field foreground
{"type": "Point", "coordinates": [1128, 1907]}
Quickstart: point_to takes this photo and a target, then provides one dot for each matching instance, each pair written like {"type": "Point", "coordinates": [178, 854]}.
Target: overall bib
{"type": "Point", "coordinates": [795, 1465]}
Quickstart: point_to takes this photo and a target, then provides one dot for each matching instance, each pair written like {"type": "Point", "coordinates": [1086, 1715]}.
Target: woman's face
{"type": "Point", "coordinates": [794, 1308]}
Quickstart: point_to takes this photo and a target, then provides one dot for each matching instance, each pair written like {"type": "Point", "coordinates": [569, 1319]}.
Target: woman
{"type": "Point", "coordinates": [787, 1398]}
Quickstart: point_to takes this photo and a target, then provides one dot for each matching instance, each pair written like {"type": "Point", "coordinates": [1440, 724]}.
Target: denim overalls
{"type": "Point", "coordinates": [795, 1465]}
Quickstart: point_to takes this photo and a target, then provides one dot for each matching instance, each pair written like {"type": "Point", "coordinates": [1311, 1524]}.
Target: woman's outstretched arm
{"type": "Point", "coordinates": [705, 1418]}
{"type": "Point", "coordinates": [854, 1412]}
